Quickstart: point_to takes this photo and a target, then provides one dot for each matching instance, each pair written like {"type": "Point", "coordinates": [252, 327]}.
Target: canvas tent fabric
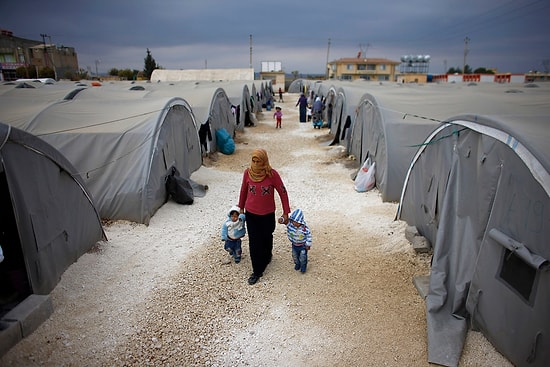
{"type": "Point", "coordinates": [239, 95]}
{"type": "Point", "coordinates": [123, 147]}
{"type": "Point", "coordinates": [18, 106]}
{"type": "Point", "coordinates": [389, 121]}
{"type": "Point", "coordinates": [478, 190]}
{"type": "Point", "coordinates": [164, 75]}
{"type": "Point", "coordinates": [209, 104]}
{"type": "Point", "coordinates": [389, 124]}
{"type": "Point", "coordinates": [46, 209]}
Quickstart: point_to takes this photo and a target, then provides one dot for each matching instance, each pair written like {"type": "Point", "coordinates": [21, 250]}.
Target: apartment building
{"type": "Point", "coordinates": [18, 52]}
{"type": "Point", "coordinates": [376, 69]}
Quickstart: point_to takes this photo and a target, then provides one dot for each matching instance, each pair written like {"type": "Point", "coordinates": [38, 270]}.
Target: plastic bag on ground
{"type": "Point", "coordinates": [366, 179]}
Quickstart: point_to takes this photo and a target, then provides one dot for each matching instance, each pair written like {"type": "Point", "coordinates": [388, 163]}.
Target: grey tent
{"type": "Point", "coordinates": [122, 144]}
{"type": "Point", "coordinates": [346, 100]}
{"type": "Point", "coordinates": [478, 190]}
{"type": "Point", "coordinates": [48, 218]}
{"type": "Point", "coordinates": [239, 95]}
{"type": "Point", "coordinates": [209, 103]}
{"type": "Point", "coordinates": [388, 126]}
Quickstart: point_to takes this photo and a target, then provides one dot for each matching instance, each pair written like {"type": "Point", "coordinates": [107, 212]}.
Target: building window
{"type": "Point", "coordinates": [349, 67]}
{"type": "Point", "coordinates": [382, 66]}
{"type": "Point", "coordinates": [7, 57]}
{"type": "Point", "coordinates": [361, 67]}
{"type": "Point", "coordinates": [333, 67]}
{"type": "Point", "coordinates": [346, 77]}
{"type": "Point", "coordinates": [365, 77]}
{"type": "Point", "coordinates": [371, 67]}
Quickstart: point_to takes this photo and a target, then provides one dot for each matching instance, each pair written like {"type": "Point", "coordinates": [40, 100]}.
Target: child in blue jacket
{"type": "Point", "coordinates": [233, 230]}
{"type": "Point", "coordinates": [300, 236]}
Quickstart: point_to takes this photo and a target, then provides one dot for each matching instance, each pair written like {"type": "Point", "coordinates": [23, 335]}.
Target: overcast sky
{"type": "Point", "coordinates": [510, 35]}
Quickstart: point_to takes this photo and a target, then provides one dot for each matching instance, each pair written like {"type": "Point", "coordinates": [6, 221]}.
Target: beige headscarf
{"type": "Point", "coordinates": [258, 171]}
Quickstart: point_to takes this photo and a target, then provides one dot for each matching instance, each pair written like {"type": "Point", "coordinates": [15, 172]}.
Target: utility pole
{"type": "Point", "coordinates": [52, 54]}
{"type": "Point", "coordinates": [466, 41]}
{"type": "Point", "coordinates": [326, 66]}
{"type": "Point", "coordinates": [96, 73]}
{"type": "Point", "coordinates": [44, 35]}
{"type": "Point", "coordinates": [250, 51]}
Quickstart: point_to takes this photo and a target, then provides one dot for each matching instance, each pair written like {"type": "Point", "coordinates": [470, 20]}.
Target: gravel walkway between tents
{"type": "Point", "coordinates": [167, 294]}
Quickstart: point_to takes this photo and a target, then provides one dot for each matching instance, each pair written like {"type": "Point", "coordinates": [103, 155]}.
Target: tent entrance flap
{"type": "Point", "coordinates": [14, 284]}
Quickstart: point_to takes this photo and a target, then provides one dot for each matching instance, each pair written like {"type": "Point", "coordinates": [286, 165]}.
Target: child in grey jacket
{"type": "Point", "coordinates": [233, 230]}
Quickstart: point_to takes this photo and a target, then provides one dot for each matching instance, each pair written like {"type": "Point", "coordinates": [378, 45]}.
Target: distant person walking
{"type": "Point", "coordinates": [302, 102]}
{"type": "Point", "coordinates": [278, 116]}
{"type": "Point", "coordinates": [280, 95]}
{"type": "Point", "coordinates": [317, 112]}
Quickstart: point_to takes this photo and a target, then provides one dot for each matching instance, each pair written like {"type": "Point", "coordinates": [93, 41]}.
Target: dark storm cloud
{"type": "Point", "coordinates": [511, 36]}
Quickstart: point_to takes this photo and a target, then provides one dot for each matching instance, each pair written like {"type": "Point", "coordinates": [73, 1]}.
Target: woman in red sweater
{"type": "Point", "coordinates": [257, 200]}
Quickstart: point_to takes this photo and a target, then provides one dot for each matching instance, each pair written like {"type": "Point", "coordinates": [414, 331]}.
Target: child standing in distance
{"type": "Point", "coordinates": [278, 116]}
{"type": "Point", "coordinates": [300, 236]}
{"type": "Point", "coordinates": [233, 230]}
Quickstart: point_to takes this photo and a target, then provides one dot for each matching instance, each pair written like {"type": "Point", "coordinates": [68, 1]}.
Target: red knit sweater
{"type": "Point", "coordinates": [259, 197]}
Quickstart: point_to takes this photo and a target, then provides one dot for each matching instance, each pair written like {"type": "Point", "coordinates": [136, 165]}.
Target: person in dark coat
{"type": "Point", "coordinates": [302, 101]}
{"type": "Point", "coordinates": [204, 134]}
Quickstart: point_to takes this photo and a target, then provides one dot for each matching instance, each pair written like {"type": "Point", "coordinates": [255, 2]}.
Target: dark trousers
{"type": "Point", "coordinates": [260, 240]}
{"type": "Point", "coordinates": [302, 113]}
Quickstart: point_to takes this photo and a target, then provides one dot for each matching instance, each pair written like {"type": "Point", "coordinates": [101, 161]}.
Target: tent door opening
{"type": "Point", "coordinates": [14, 282]}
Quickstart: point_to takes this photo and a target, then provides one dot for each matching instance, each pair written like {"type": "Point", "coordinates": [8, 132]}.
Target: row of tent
{"type": "Point", "coordinates": [469, 166]}
{"type": "Point", "coordinates": [103, 153]}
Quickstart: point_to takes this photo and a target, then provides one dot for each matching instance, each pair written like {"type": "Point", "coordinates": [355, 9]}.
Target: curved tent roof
{"type": "Point", "coordinates": [301, 86]}
{"type": "Point", "coordinates": [392, 120]}
{"type": "Point", "coordinates": [46, 209]}
{"type": "Point", "coordinates": [20, 105]}
{"type": "Point", "coordinates": [346, 100]}
{"type": "Point", "coordinates": [478, 189]}
{"type": "Point", "coordinates": [388, 127]}
{"type": "Point", "coordinates": [122, 146]}
{"type": "Point", "coordinates": [208, 102]}
{"type": "Point", "coordinates": [239, 95]}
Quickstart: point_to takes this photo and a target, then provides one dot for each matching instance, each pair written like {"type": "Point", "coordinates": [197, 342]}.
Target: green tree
{"type": "Point", "coordinates": [113, 72]}
{"type": "Point", "coordinates": [46, 72]}
{"type": "Point", "coordinates": [127, 74]}
{"type": "Point", "coordinates": [483, 71]}
{"type": "Point", "coordinates": [25, 72]}
{"type": "Point", "coordinates": [150, 65]}
{"type": "Point", "coordinates": [453, 70]}
{"type": "Point", "coordinates": [82, 74]}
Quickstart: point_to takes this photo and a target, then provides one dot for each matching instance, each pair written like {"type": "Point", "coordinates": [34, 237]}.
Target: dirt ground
{"type": "Point", "coordinates": [167, 294]}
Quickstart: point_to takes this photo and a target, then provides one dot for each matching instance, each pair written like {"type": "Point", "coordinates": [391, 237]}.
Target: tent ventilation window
{"type": "Point", "coordinates": [517, 274]}
{"type": "Point", "coordinates": [519, 267]}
